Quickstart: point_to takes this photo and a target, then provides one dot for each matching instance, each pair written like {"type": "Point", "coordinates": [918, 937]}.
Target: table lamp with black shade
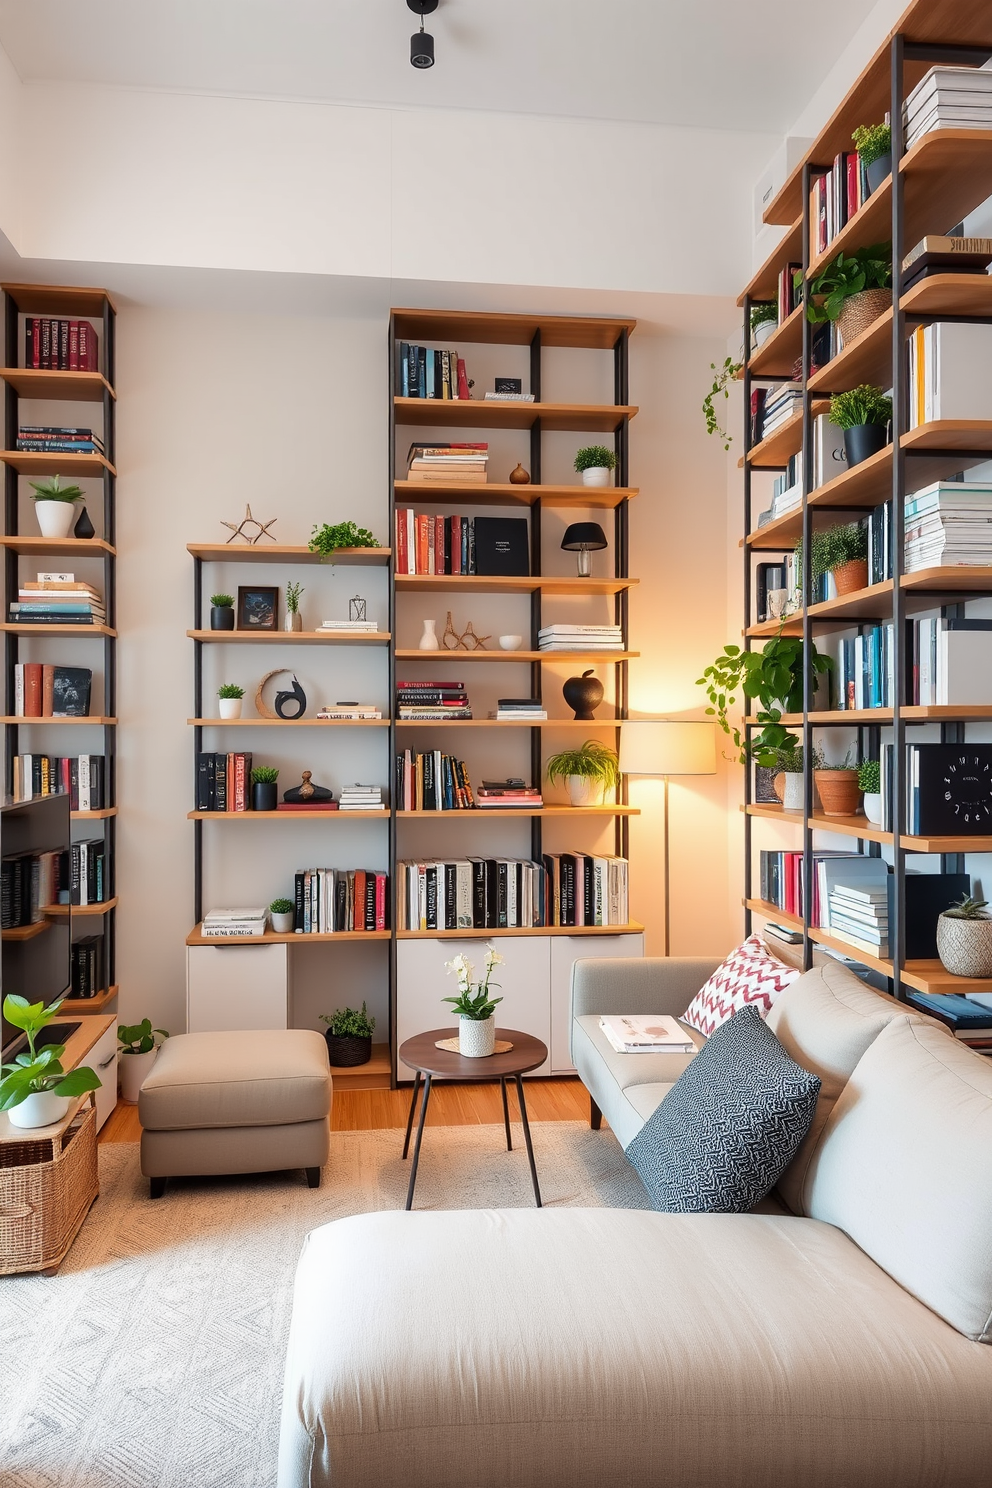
{"type": "Point", "coordinates": [583, 538]}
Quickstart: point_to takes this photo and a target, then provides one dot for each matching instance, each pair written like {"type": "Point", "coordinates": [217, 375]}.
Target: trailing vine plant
{"type": "Point", "coordinates": [771, 676]}
{"type": "Point", "coordinates": [724, 375]}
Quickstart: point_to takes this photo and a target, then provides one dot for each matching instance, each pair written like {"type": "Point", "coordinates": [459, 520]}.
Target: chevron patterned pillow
{"type": "Point", "coordinates": [749, 975]}
{"type": "Point", "coordinates": [730, 1125]}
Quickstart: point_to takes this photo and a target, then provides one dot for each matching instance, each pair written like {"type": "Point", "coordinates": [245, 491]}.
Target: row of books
{"type": "Point", "coordinates": [49, 603]}
{"type": "Point", "coordinates": [432, 701]}
{"type": "Point", "coordinates": [580, 638]}
{"type": "Point", "coordinates": [948, 789]}
{"type": "Point", "coordinates": [781, 879]}
{"type": "Point", "coordinates": [948, 524]}
{"type": "Point", "coordinates": [87, 967]}
{"type": "Point", "coordinates": [835, 196]}
{"type": "Point", "coordinates": [948, 372]}
{"type": "Point", "coordinates": [519, 710]}
{"type": "Point", "coordinates": [353, 710]}
{"type": "Point", "coordinates": [948, 662]}
{"type": "Point", "coordinates": [81, 777]}
{"type": "Point", "coordinates": [58, 439]}
{"type": "Point", "coordinates": [29, 882]}
{"type": "Point", "coordinates": [223, 781]}
{"type": "Point", "coordinates": [425, 372]}
{"type": "Point", "coordinates": [432, 781]}
{"type": "Point", "coordinates": [948, 98]}
{"type": "Point", "coordinates": [968, 1015]}
{"type": "Point", "coordinates": [43, 691]}
{"type": "Point", "coordinates": [779, 406]}
{"type": "Point", "coordinates": [60, 345]}
{"type": "Point", "coordinates": [332, 901]}
{"type": "Point", "coordinates": [448, 464]}
{"type": "Point", "coordinates": [563, 889]}
{"type": "Point", "coordinates": [89, 872]}
{"type": "Point", "coordinates": [487, 546]}
{"type": "Point", "coordinates": [829, 460]}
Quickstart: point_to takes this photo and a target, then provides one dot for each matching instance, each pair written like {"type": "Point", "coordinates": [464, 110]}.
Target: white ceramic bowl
{"type": "Point", "coordinates": [511, 642]}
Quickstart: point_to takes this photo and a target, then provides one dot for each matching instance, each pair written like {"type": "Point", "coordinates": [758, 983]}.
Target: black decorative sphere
{"type": "Point", "coordinates": [583, 695]}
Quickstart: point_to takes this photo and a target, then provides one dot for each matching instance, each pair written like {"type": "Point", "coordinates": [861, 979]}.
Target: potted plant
{"type": "Point", "coordinates": [854, 289]}
{"type": "Point", "coordinates": [724, 375]}
{"type": "Point", "coordinates": [474, 1006]}
{"type": "Point", "coordinates": [222, 612]}
{"type": "Point", "coordinates": [873, 143]}
{"type": "Point", "coordinates": [774, 678]}
{"type": "Point", "coordinates": [283, 914]}
{"type": "Point", "coordinates": [263, 788]}
{"type": "Point", "coordinates": [348, 1035]}
{"type": "Point", "coordinates": [229, 696]}
{"type": "Point", "coordinates": [55, 506]}
{"type": "Point", "coordinates": [587, 772]}
{"type": "Point", "coordinates": [869, 781]}
{"type": "Point", "coordinates": [841, 551]}
{"type": "Point", "coordinates": [136, 1043]}
{"type": "Point", "coordinates": [836, 785]}
{"type": "Point", "coordinates": [327, 539]}
{"type": "Point", "coordinates": [35, 1090]}
{"type": "Point", "coordinates": [293, 620]}
{"type": "Point", "coordinates": [964, 938]}
{"type": "Point", "coordinates": [595, 462]}
{"type": "Point", "coordinates": [788, 782]}
{"type": "Point", "coordinates": [764, 322]}
{"type": "Point", "coordinates": [864, 413]}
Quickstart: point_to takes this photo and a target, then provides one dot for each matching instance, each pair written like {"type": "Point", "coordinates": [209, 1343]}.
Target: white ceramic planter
{"type": "Point", "coordinates": [476, 1037]}
{"type": "Point", "coordinates": [584, 792]}
{"type": "Point", "coordinates": [873, 807]}
{"type": "Point", "coordinates": [761, 333]}
{"type": "Point", "coordinates": [429, 641]}
{"type": "Point", "coordinates": [964, 946]}
{"type": "Point", "coordinates": [42, 1109]}
{"type": "Point", "coordinates": [230, 707]}
{"type": "Point", "coordinates": [793, 793]}
{"type": "Point", "coordinates": [134, 1068]}
{"type": "Point", "coordinates": [282, 924]}
{"type": "Point", "coordinates": [596, 475]}
{"type": "Point", "coordinates": [55, 518]}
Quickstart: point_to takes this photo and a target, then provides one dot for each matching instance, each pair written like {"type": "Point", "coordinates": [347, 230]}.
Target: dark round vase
{"type": "Point", "coordinates": [878, 171]}
{"type": "Point", "coordinates": [864, 440]}
{"type": "Point", "coordinates": [346, 1050]}
{"type": "Point", "coordinates": [263, 796]}
{"type": "Point", "coordinates": [583, 695]}
{"type": "Point", "coordinates": [221, 617]}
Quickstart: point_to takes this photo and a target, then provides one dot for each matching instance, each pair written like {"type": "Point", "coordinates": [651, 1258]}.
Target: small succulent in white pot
{"type": "Point", "coordinates": [964, 938]}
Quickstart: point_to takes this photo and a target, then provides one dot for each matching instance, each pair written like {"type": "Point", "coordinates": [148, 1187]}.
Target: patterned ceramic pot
{"type": "Point", "coordinates": [476, 1037]}
{"type": "Point", "coordinates": [964, 946]}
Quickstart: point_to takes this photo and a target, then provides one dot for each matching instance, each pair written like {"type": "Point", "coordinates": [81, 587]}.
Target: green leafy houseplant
{"type": "Point", "coordinates": [844, 276]}
{"type": "Point", "coordinates": [281, 906]}
{"type": "Point", "coordinates": [821, 763]}
{"type": "Point", "coordinates": [345, 1022]}
{"type": "Point", "coordinates": [872, 141]}
{"type": "Point", "coordinates": [592, 761]}
{"type": "Point", "coordinates": [38, 1071]}
{"type": "Point", "coordinates": [771, 676]}
{"type": "Point", "coordinates": [790, 757]}
{"type": "Point", "coordinates": [861, 405]}
{"type": "Point", "coordinates": [725, 375]}
{"type": "Point", "coordinates": [595, 457]}
{"type": "Point", "coordinates": [834, 548]}
{"type": "Point", "coordinates": [230, 690]}
{"type": "Point", "coordinates": [222, 601]}
{"type": "Point", "coordinates": [138, 1038]}
{"type": "Point", "coordinates": [265, 775]}
{"type": "Point", "coordinates": [763, 313]}
{"type": "Point", "coordinates": [869, 777]}
{"type": "Point", "coordinates": [53, 490]}
{"type": "Point", "coordinates": [327, 539]}
{"type": "Point", "coordinates": [293, 592]}
{"type": "Point", "coordinates": [473, 1000]}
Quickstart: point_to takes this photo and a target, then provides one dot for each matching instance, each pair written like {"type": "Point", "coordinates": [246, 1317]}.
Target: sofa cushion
{"type": "Point", "coordinates": [729, 1126]}
{"type": "Point", "coordinates": [904, 1166]}
{"type": "Point", "coordinates": [749, 975]}
{"type": "Point", "coordinates": [826, 1019]}
{"type": "Point", "coordinates": [611, 1346]}
{"type": "Point", "coordinates": [249, 1078]}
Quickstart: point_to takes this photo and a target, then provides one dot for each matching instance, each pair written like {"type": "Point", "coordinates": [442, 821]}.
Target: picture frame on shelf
{"type": "Point", "coordinates": [258, 607]}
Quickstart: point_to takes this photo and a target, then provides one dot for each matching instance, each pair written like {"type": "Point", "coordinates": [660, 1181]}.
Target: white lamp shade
{"type": "Point", "coordinates": [661, 747]}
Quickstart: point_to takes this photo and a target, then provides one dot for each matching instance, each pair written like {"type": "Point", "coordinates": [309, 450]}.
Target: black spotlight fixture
{"type": "Point", "coordinates": [422, 42]}
{"type": "Point", "coordinates": [583, 538]}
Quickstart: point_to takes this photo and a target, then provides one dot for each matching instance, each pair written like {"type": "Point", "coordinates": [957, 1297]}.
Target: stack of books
{"type": "Point", "coordinates": [335, 901]}
{"type": "Point", "coordinates": [432, 781]}
{"type": "Point", "coordinates": [425, 372]}
{"type": "Point", "coordinates": [936, 254]}
{"type": "Point", "coordinates": [948, 98]}
{"type": "Point", "coordinates": [433, 701]}
{"type": "Point", "coordinates": [87, 974]}
{"type": "Point", "coordinates": [519, 710]}
{"type": "Point", "coordinates": [461, 545]}
{"type": "Point", "coordinates": [453, 464]}
{"type": "Point", "coordinates": [509, 397]}
{"type": "Point", "coordinates": [234, 924]}
{"type": "Point", "coordinates": [361, 798]}
{"type": "Point", "coordinates": [357, 627]}
{"type": "Point", "coordinates": [507, 795]}
{"type": "Point", "coordinates": [780, 407]}
{"type": "Point", "coordinates": [967, 1018]}
{"type": "Point", "coordinates": [60, 345]}
{"type": "Point", "coordinates": [949, 524]}
{"type": "Point", "coordinates": [346, 709]}
{"type": "Point", "coordinates": [223, 782]}
{"type": "Point", "coordinates": [46, 602]}
{"type": "Point", "coordinates": [860, 916]}
{"type": "Point", "coordinates": [81, 778]}
{"type": "Point", "coordinates": [43, 691]}
{"type": "Point", "coordinates": [782, 883]}
{"type": "Point", "coordinates": [58, 439]}
{"type": "Point", "coordinates": [632, 1034]}
{"type": "Point", "coordinates": [580, 638]}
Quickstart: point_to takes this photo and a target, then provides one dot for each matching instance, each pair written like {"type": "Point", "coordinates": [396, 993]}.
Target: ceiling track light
{"type": "Point", "coordinates": [422, 42]}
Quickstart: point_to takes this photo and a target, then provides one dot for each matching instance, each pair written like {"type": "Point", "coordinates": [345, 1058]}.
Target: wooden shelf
{"type": "Point", "coordinates": [925, 589]}
{"type": "Point", "coordinates": [63, 911]}
{"type": "Point", "coordinates": [592, 332]}
{"type": "Point", "coordinates": [511, 723]}
{"type": "Point", "coordinates": [63, 387]}
{"type": "Point", "coordinates": [57, 630]}
{"type": "Point", "coordinates": [576, 418]}
{"type": "Point", "coordinates": [506, 584]}
{"type": "Point", "coordinates": [284, 553]}
{"type": "Point", "coordinates": [569, 658]}
{"type": "Point", "coordinates": [859, 826]}
{"type": "Point", "coordinates": [27, 462]}
{"type": "Point", "coordinates": [789, 249]}
{"type": "Point", "coordinates": [591, 930]}
{"type": "Point", "coordinates": [58, 299]}
{"type": "Point", "coordinates": [227, 816]}
{"type": "Point", "coordinates": [772, 912]}
{"type": "Point", "coordinates": [89, 1004]}
{"type": "Point", "coordinates": [375, 1075]}
{"type": "Point", "coordinates": [59, 547]}
{"type": "Point", "coordinates": [27, 932]}
{"type": "Point", "coordinates": [777, 357]}
{"type": "Point", "coordinates": [776, 813]}
{"type": "Point", "coordinates": [195, 938]}
{"type": "Point", "coordinates": [575, 812]}
{"type": "Point", "coordinates": [961, 712]}
{"type": "Point", "coordinates": [288, 722]}
{"type": "Point", "coordinates": [775, 452]}
{"type": "Point", "coordinates": [93, 815]}
{"type": "Point", "coordinates": [497, 493]}
{"type": "Point", "coordinates": [98, 721]}
{"type": "Point", "coordinates": [293, 637]}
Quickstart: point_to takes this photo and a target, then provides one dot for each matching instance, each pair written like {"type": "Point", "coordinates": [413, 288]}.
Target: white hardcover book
{"type": "Point", "coordinates": [632, 1033]}
{"type": "Point", "coordinates": [19, 689]}
{"type": "Point", "coordinates": [829, 453]}
{"type": "Point", "coordinates": [964, 664]}
{"type": "Point", "coordinates": [463, 896]}
{"type": "Point", "coordinates": [511, 896]}
{"type": "Point", "coordinates": [961, 386]}
{"type": "Point", "coordinates": [83, 786]}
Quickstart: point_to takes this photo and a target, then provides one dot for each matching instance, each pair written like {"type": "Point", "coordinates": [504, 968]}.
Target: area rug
{"type": "Point", "coordinates": [154, 1358]}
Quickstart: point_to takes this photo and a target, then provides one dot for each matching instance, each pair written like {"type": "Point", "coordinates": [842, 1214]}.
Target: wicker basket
{"type": "Point", "coordinates": [862, 310]}
{"type": "Point", "coordinates": [47, 1184]}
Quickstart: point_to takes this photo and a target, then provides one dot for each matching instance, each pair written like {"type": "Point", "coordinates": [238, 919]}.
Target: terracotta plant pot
{"type": "Point", "coordinates": [851, 576]}
{"type": "Point", "coordinates": [965, 946]}
{"type": "Point", "coordinates": [862, 310]}
{"type": "Point", "coordinates": [838, 791]}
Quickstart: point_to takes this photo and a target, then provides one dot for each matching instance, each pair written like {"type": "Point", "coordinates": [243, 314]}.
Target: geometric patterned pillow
{"type": "Point", "coordinates": [730, 1125]}
{"type": "Point", "coordinates": [749, 975]}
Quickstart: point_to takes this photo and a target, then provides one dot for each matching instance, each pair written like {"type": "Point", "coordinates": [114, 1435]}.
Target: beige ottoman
{"type": "Point", "coordinates": [248, 1102]}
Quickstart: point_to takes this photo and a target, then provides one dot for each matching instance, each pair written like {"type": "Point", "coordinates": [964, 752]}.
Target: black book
{"type": "Point", "coordinates": [340, 901]}
{"type": "Point", "coordinates": [927, 895]}
{"type": "Point", "coordinates": [950, 790]}
{"type": "Point", "coordinates": [492, 894]}
{"type": "Point", "coordinates": [204, 782]}
{"type": "Point", "coordinates": [220, 782]}
{"type": "Point", "coordinates": [589, 891]}
{"type": "Point", "coordinates": [501, 547]}
{"type": "Point", "coordinates": [447, 545]}
{"type": "Point", "coordinates": [71, 691]}
{"type": "Point", "coordinates": [478, 893]}
{"type": "Point", "coordinates": [450, 896]}
{"type": "Point", "coordinates": [430, 879]}
{"type": "Point", "coordinates": [502, 894]}
{"type": "Point", "coordinates": [413, 385]}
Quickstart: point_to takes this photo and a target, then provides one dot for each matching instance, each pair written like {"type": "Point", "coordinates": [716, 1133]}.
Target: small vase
{"type": "Point", "coordinates": [761, 333]}
{"type": "Point", "coordinates": [864, 440]}
{"type": "Point", "coordinates": [838, 791]}
{"type": "Point", "coordinates": [429, 641]}
{"type": "Point", "coordinates": [873, 807]}
{"type": "Point", "coordinates": [476, 1037]}
{"type": "Point", "coordinates": [84, 528]}
{"type": "Point", "coordinates": [519, 476]}
{"type": "Point", "coordinates": [292, 620]}
{"type": "Point", "coordinates": [134, 1069]}
{"type": "Point", "coordinates": [263, 795]}
{"type": "Point", "coordinates": [221, 617]}
{"type": "Point", "coordinates": [964, 946]}
{"type": "Point", "coordinates": [879, 171]}
{"type": "Point", "coordinates": [282, 924]}
{"type": "Point", "coordinates": [230, 707]}
{"type": "Point", "coordinates": [851, 576]}
{"type": "Point", "coordinates": [39, 1109]}
{"type": "Point", "coordinates": [55, 518]}
{"type": "Point", "coordinates": [793, 794]}
{"type": "Point", "coordinates": [596, 475]}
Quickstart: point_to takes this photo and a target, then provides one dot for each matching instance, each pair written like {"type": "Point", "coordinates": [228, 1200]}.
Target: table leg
{"type": "Point", "coordinates": [530, 1150]}
{"type": "Point", "coordinates": [420, 1133]}
{"type": "Point", "coordinates": [409, 1119]}
{"type": "Point", "coordinates": [506, 1114]}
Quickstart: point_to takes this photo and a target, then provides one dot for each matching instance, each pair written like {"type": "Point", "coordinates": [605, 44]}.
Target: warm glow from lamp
{"type": "Point", "coordinates": [655, 746]}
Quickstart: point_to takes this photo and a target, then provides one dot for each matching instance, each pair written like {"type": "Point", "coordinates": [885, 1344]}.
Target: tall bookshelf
{"type": "Point", "coordinates": [934, 185]}
{"type": "Point", "coordinates": [78, 395]}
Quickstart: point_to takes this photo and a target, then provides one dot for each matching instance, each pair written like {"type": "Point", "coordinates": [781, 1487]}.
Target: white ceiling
{"type": "Point", "coordinates": [748, 65]}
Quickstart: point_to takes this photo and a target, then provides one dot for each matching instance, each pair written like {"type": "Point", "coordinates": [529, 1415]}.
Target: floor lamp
{"type": "Point", "coordinates": [655, 746]}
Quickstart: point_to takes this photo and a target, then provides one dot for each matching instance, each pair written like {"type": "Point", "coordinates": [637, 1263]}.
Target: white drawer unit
{"type": "Point", "coordinates": [565, 951]}
{"type": "Point", "coordinates": [237, 987]}
{"type": "Point", "coordinates": [103, 1058]}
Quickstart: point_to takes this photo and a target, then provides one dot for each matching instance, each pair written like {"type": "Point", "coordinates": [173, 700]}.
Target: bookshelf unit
{"type": "Point", "coordinates": [80, 395]}
{"type": "Point", "coordinates": [945, 175]}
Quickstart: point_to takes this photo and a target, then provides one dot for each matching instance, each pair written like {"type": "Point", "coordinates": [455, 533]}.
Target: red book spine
{"type": "Point", "coordinates": [35, 342]}
{"type": "Point", "coordinates": [380, 901]}
{"type": "Point", "coordinates": [239, 783]}
{"type": "Point", "coordinates": [46, 343]}
{"type": "Point", "coordinates": [63, 326]}
{"type": "Point", "coordinates": [89, 346]}
{"type": "Point", "coordinates": [456, 545]}
{"type": "Point", "coordinates": [74, 346]}
{"type": "Point", "coordinates": [229, 792]}
{"type": "Point", "coordinates": [33, 684]}
{"type": "Point", "coordinates": [463, 391]}
{"type": "Point", "coordinates": [422, 565]}
{"type": "Point", "coordinates": [358, 905]}
{"type": "Point", "coordinates": [853, 176]}
{"type": "Point", "coordinates": [401, 545]}
{"type": "Point", "coordinates": [439, 545]}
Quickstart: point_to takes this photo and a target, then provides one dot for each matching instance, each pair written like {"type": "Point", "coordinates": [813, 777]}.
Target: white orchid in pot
{"type": "Point", "coordinates": [474, 1006]}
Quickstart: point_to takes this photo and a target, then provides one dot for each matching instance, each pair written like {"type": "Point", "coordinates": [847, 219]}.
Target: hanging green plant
{"type": "Point", "coordinates": [772, 676]}
{"type": "Point", "coordinates": [725, 375]}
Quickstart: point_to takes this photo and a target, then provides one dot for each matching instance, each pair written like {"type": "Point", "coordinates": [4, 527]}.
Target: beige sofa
{"type": "Point", "coordinates": [840, 1345]}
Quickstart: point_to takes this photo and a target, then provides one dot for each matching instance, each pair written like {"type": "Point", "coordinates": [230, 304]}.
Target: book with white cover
{"type": "Point", "coordinates": [855, 872]}
{"type": "Point", "coordinates": [634, 1034]}
{"type": "Point", "coordinates": [954, 373]}
{"type": "Point", "coordinates": [233, 914]}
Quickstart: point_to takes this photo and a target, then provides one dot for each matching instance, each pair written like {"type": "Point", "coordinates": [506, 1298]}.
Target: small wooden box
{"type": "Point", "coordinates": [48, 1180]}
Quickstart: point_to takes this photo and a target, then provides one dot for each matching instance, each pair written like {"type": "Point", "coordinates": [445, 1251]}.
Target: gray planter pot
{"type": "Point", "coordinates": [965, 946]}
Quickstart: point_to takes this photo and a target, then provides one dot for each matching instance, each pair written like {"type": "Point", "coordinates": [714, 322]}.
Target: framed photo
{"type": "Point", "coordinates": [258, 607]}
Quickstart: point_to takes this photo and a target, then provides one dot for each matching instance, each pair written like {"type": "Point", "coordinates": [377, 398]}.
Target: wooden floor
{"type": "Point", "coordinates": [451, 1105]}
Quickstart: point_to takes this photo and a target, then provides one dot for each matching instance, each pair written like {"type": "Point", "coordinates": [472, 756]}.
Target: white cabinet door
{"type": "Point", "coordinates": [237, 987]}
{"type": "Point", "coordinates": [565, 951]}
{"type": "Point", "coordinates": [524, 985]}
{"type": "Point", "coordinates": [103, 1058]}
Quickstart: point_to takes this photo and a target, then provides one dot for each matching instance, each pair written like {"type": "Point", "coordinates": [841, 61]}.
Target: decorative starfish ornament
{"type": "Point", "coordinates": [241, 530]}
